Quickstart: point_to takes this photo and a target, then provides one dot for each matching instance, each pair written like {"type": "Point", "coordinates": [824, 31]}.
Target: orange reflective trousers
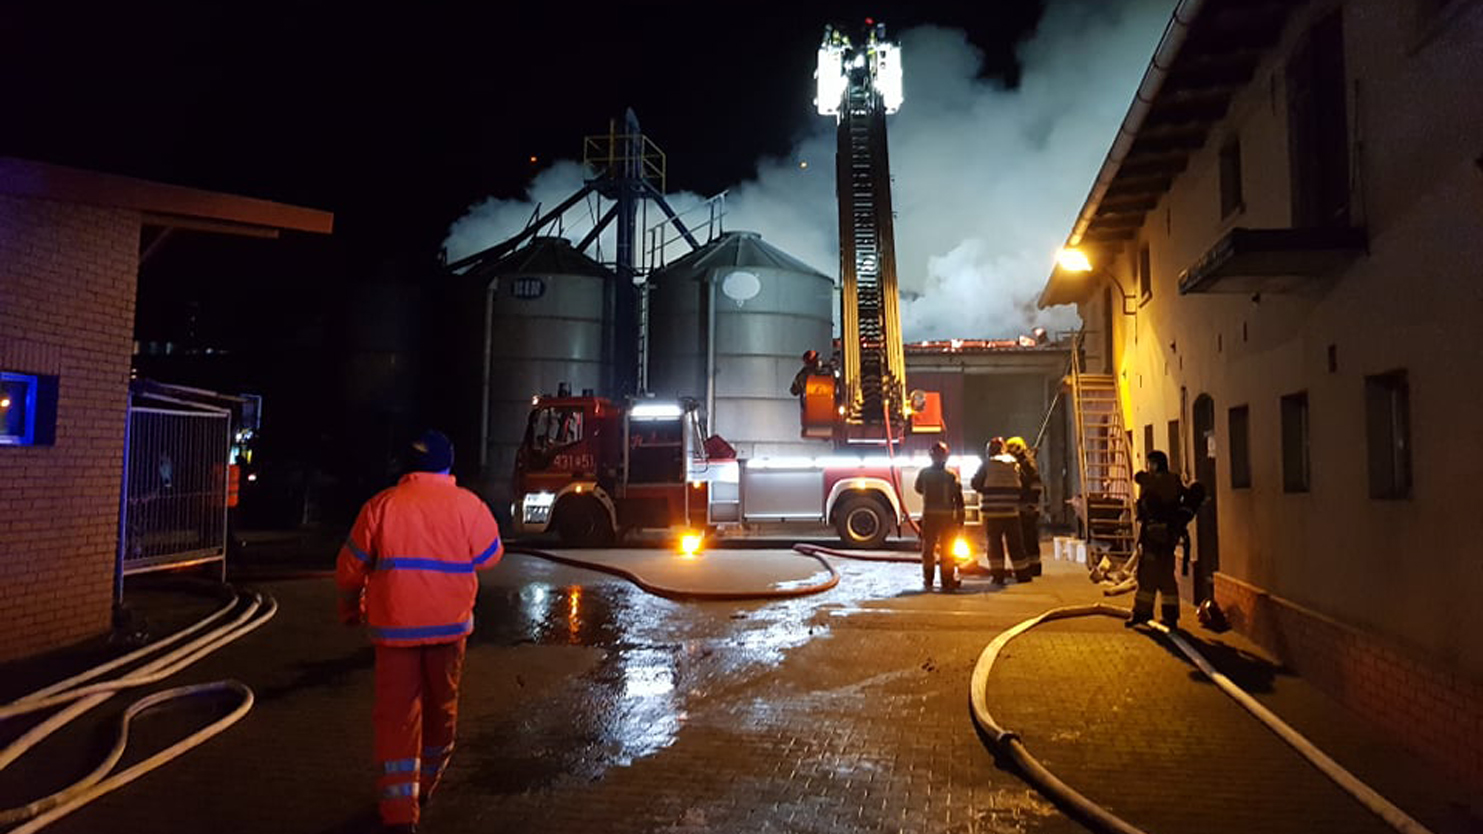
{"type": "Point", "coordinates": [415, 713]}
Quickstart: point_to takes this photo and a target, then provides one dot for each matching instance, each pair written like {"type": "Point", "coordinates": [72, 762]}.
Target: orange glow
{"type": "Point", "coordinates": [690, 543]}
{"type": "Point", "coordinates": [5, 402]}
{"type": "Point", "coordinates": [574, 611]}
{"type": "Point", "coordinates": [961, 552]}
{"type": "Point", "coordinates": [532, 160]}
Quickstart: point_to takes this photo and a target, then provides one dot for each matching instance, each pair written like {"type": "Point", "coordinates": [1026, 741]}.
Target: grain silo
{"type": "Point", "coordinates": [727, 326]}
{"type": "Point", "coordinates": [553, 317]}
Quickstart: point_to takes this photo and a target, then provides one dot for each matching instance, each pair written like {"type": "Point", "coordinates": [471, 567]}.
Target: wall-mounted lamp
{"type": "Point", "coordinates": [1074, 261]}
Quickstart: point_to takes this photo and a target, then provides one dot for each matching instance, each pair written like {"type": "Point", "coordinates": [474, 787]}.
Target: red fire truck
{"type": "Point", "coordinates": [590, 469]}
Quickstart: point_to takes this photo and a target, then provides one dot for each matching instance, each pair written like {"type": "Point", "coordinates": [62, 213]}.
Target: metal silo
{"type": "Point", "coordinates": [552, 316]}
{"type": "Point", "coordinates": [727, 325]}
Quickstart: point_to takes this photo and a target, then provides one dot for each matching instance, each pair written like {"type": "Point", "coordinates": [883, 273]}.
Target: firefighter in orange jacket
{"type": "Point", "coordinates": [408, 572]}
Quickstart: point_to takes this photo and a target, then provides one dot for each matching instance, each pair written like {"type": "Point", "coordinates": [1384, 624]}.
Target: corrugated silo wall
{"type": "Point", "coordinates": [544, 330]}
{"type": "Point", "coordinates": [761, 331]}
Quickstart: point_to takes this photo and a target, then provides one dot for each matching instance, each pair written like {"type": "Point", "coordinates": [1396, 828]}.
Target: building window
{"type": "Point", "coordinates": [1240, 443]}
{"type": "Point", "coordinates": [28, 409]}
{"type": "Point", "coordinates": [1145, 273]}
{"type": "Point", "coordinates": [1295, 467]}
{"type": "Point", "coordinates": [1231, 198]}
{"type": "Point", "coordinates": [1148, 440]}
{"type": "Point", "coordinates": [1175, 463]}
{"type": "Point", "coordinates": [1388, 434]}
{"type": "Point", "coordinates": [1318, 127]}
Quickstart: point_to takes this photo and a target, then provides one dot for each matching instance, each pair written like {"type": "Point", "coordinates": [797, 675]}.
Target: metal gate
{"type": "Point", "coordinates": [174, 508]}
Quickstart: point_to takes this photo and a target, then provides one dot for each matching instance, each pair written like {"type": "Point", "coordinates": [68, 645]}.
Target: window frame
{"type": "Point", "coordinates": [1238, 445]}
{"type": "Point", "coordinates": [1297, 460]}
{"type": "Point", "coordinates": [1390, 468]}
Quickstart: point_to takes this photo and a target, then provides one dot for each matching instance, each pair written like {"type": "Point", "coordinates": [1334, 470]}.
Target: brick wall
{"type": "Point", "coordinates": [1436, 712]}
{"type": "Point", "coordinates": [67, 281]}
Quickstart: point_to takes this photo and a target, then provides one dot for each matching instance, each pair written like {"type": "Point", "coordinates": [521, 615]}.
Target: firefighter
{"type": "Point", "coordinates": [997, 482]}
{"type": "Point", "coordinates": [408, 572]}
{"type": "Point", "coordinates": [942, 515]}
{"type": "Point", "coordinates": [1030, 488]}
{"type": "Point", "coordinates": [1164, 508]}
{"type": "Point", "coordinates": [811, 367]}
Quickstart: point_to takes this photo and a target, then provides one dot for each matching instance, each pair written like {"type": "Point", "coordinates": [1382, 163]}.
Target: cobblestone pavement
{"type": "Point", "coordinates": [591, 706]}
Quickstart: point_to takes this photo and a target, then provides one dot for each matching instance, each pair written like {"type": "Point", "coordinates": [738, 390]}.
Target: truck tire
{"type": "Point", "coordinates": [583, 522]}
{"type": "Point", "coordinates": [862, 521]}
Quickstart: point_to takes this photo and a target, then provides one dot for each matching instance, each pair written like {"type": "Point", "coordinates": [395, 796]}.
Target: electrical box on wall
{"type": "Point", "coordinates": [28, 409]}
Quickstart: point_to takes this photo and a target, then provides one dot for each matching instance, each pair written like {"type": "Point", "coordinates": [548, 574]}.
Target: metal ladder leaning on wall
{"type": "Point", "coordinates": [1106, 462]}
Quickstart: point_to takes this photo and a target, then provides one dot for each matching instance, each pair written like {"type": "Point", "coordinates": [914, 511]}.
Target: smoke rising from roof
{"type": "Point", "coordinates": [987, 180]}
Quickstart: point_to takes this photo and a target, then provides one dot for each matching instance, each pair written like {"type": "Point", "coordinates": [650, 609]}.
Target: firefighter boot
{"type": "Point", "coordinates": [1170, 616]}
{"type": "Point", "coordinates": [950, 581]}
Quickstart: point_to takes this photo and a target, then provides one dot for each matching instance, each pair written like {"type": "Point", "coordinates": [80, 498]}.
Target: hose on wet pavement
{"type": "Point", "coordinates": [683, 595]}
{"type": "Point", "coordinates": [1090, 812]}
{"type": "Point", "coordinates": [255, 609]}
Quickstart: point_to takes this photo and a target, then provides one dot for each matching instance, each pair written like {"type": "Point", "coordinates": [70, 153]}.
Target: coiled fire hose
{"type": "Point", "coordinates": [1048, 783]}
{"type": "Point", "coordinates": [256, 609]}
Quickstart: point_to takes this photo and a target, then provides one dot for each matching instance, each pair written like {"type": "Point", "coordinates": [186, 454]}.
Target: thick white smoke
{"type": "Point", "coordinates": [987, 180]}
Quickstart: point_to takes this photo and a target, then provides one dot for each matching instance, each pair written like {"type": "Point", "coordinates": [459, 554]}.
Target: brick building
{"type": "Point", "coordinates": [70, 248]}
{"type": "Point", "coordinates": [1283, 247]}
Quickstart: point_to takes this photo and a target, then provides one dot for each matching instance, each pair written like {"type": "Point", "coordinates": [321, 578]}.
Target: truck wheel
{"type": "Point", "coordinates": [582, 522]}
{"type": "Point", "coordinates": [862, 521]}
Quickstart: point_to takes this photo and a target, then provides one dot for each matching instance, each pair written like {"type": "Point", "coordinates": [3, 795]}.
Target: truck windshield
{"type": "Point", "coordinates": [554, 426]}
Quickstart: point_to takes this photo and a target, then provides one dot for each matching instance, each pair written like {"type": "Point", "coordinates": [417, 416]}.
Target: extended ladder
{"type": "Point", "coordinates": [874, 360]}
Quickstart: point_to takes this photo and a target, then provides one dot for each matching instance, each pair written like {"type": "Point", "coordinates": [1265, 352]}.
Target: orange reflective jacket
{"type": "Point", "coordinates": [408, 566]}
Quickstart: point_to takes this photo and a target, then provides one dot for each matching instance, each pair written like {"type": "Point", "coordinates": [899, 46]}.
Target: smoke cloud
{"type": "Point", "coordinates": [987, 180]}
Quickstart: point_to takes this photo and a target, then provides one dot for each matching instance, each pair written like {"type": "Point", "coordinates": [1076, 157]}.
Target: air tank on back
{"type": "Point", "coordinates": [728, 324]}
{"type": "Point", "coordinates": [553, 317]}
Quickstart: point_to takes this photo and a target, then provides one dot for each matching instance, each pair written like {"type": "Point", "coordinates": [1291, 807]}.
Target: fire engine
{"type": "Point", "coordinates": [590, 468]}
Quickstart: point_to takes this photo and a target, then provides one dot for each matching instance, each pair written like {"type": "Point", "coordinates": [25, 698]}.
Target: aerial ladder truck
{"type": "Point", "coordinates": [860, 84]}
{"type": "Point", "coordinates": [590, 469]}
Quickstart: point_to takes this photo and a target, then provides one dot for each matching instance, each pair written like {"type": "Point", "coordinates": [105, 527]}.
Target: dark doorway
{"type": "Point", "coordinates": [1207, 556]}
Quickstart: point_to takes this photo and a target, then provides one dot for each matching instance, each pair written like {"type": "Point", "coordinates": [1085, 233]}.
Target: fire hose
{"type": "Point", "coordinates": [1090, 812]}
{"type": "Point", "coordinates": [256, 609]}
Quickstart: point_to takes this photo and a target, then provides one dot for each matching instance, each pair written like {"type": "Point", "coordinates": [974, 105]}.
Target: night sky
{"type": "Point", "coordinates": [398, 120]}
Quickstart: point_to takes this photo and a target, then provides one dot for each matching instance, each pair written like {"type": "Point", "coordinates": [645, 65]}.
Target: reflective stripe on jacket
{"type": "Point", "coordinates": [998, 484]}
{"type": "Point", "coordinates": [413, 551]}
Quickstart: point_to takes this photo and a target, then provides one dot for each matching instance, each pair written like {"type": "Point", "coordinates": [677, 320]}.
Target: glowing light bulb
{"type": "Point", "coordinates": [4, 402]}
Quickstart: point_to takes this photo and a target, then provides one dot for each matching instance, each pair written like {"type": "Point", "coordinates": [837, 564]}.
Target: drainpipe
{"type": "Point", "coordinates": [1153, 78]}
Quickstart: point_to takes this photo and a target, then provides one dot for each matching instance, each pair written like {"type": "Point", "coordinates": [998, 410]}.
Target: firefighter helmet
{"type": "Point", "coordinates": [939, 451]}
{"type": "Point", "coordinates": [1211, 617]}
{"type": "Point", "coordinates": [1014, 445]}
{"type": "Point", "coordinates": [810, 357]}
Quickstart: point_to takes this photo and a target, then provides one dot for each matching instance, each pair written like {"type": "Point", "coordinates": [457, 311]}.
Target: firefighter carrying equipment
{"type": "Point", "coordinates": [1163, 511]}
{"type": "Point", "coordinates": [407, 569]}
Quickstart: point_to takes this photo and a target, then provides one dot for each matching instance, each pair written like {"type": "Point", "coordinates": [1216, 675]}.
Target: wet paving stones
{"type": "Point", "coordinates": [592, 706]}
